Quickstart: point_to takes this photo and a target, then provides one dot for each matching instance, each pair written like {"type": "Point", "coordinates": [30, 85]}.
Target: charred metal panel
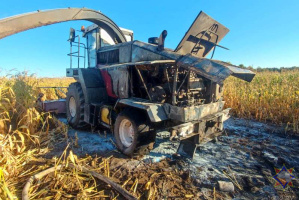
{"type": "Point", "coordinates": [214, 92]}
{"type": "Point", "coordinates": [154, 62]}
{"type": "Point", "coordinates": [116, 46]}
{"type": "Point", "coordinates": [197, 112]}
{"type": "Point", "coordinates": [240, 73]}
{"type": "Point", "coordinates": [205, 130]}
{"type": "Point", "coordinates": [192, 113]}
{"type": "Point", "coordinates": [140, 54]}
{"type": "Point", "coordinates": [214, 70]}
{"type": "Point", "coordinates": [205, 67]}
{"type": "Point", "coordinates": [159, 112]}
{"type": "Point", "coordinates": [108, 57]}
{"type": "Point", "coordinates": [19, 23]}
{"type": "Point", "coordinates": [92, 85]}
{"type": "Point", "coordinates": [117, 81]}
{"type": "Point", "coordinates": [148, 52]}
{"type": "Point", "coordinates": [155, 111]}
{"type": "Point", "coordinates": [199, 126]}
{"type": "Point", "coordinates": [151, 50]}
{"type": "Point", "coordinates": [125, 53]}
{"type": "Point", "coordinates": [202, 36]}
{"type": "Point", "coordinates": [91, 77]}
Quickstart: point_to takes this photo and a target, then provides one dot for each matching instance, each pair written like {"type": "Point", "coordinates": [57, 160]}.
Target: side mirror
{"type": "Point", "coordinates": [72, 35]}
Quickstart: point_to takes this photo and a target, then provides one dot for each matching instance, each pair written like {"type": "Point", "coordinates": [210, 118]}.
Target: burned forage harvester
{"type": "Point", "coordinates": [135, 88]}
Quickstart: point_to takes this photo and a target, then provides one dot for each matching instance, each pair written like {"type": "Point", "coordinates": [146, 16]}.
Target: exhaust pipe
{"type": "Point", "coordinates": [161, 40]}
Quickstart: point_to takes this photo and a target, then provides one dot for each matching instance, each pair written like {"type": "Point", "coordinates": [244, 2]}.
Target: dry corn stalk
{"type": "Point", "coordinates": [37, 177]}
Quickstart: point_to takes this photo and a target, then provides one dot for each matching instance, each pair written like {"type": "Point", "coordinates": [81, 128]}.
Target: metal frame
{"type": "Point", "coordinates": [77, 53]}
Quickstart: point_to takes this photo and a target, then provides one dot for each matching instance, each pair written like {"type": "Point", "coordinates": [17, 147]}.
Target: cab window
{"type": "Point", "coordinates": [106, 39]}
{"type": "Point", "coordinates": [92, 48]}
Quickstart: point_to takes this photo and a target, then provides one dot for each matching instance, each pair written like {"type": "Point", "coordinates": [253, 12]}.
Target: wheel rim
{"type": "Point", "coordinates": [126, 132]}
{"type": "Point", "coordinates": [72, 106]}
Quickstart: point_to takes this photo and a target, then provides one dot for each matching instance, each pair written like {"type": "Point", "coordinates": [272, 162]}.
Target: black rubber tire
{"type": "Point", "coordinates": [75, 90]}
{"type": "Point", "coordinates": [144, 136]}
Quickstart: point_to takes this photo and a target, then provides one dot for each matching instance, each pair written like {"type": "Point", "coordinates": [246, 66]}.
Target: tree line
{"type": "Point", "coordinates": [271, 69]}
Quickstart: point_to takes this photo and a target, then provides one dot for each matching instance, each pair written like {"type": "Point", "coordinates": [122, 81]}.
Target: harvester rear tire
{"type": "Point", "coordinates": [75, 106]}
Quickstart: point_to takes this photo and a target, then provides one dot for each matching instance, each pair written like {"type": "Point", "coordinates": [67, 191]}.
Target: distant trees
{"type": "Point", "coordinates": [271, 69]}
{"type": "Point", "coordinates": [242, 66]}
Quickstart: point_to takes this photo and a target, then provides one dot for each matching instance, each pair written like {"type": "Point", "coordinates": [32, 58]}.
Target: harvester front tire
{"type": "Point", "coordinates": [143, 137]}
{"type": "Point", "coordinates": [75, 106]}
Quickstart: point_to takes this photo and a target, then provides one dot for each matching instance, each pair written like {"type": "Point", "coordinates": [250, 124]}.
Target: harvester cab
{"type": "Point", "coordinates": [96, 38]}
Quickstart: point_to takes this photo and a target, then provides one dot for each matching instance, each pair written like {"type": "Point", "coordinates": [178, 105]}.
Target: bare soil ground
{"type": "Point", "coordinates": [247, 152]}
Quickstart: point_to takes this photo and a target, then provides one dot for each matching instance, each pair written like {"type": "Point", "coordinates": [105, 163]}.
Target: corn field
{"type": "Point", "coordinates": [51, 93]}
{"type": "Point", "coordinates": [26, 135]}
{"type": "Point", "coordinates": [270, 97]}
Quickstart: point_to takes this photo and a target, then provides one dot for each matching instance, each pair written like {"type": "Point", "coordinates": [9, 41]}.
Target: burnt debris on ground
{"type": "Point", "coordinates": [245, 155]}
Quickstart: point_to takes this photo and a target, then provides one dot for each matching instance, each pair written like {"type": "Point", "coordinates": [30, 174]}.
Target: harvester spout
{"type": "Point", "coordinates": [19, 23]}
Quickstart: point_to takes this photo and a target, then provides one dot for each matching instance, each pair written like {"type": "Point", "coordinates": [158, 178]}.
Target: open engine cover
{"type": "Point", "coordinates": [202, 36]}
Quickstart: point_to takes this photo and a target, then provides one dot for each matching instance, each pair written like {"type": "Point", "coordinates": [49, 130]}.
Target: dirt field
{"type": "Point", "coordinates": [248, 151]}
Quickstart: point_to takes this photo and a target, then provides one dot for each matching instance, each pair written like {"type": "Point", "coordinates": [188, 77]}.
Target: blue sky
{"type": "Point", "coordinates": [262, 32]}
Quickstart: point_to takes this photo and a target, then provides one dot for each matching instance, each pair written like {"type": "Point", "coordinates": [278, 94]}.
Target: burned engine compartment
{"type": "Point", "coordinates": [168, 83]}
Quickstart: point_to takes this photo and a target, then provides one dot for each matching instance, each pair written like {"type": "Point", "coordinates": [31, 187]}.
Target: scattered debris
{"type": "Point", "coordinates": [238, 153]}
{"type": "Point", "coordinates": [226, 186]}
{"type": "Point", "coordinates": [105, 179]}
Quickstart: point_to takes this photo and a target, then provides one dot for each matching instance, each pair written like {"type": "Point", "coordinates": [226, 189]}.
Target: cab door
{"type": "Point", "coordinates": [92, 46]}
